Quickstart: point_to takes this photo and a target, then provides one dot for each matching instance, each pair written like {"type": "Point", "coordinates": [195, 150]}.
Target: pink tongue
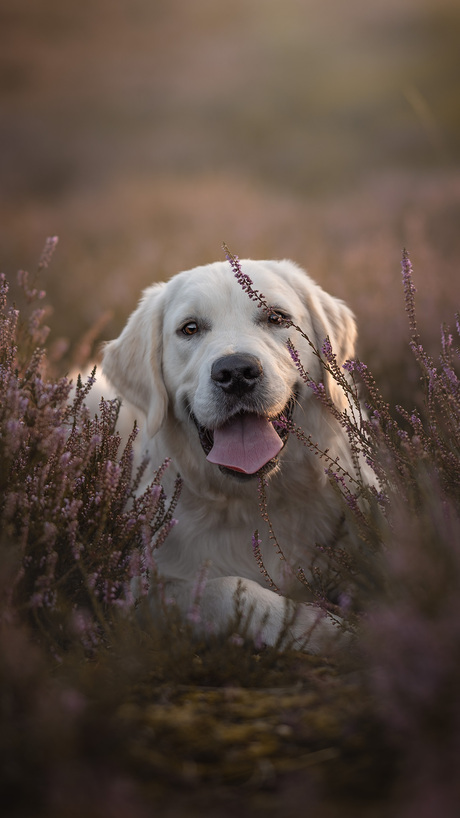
{"type": "Point", "coordinates": [245, 443]}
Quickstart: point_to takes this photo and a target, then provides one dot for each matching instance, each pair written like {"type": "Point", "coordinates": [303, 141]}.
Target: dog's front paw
{"type": "Point", "coordinates": [315, 631]}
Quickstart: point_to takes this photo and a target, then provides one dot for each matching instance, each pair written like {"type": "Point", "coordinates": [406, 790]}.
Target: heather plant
{"type": "Point", "coordinates": [101, 712]}
{"type": "Point", "coordinates": [393, 449]}
{"type": "Point", "coordinates": [412, 634]}
{"type": "Point", "coordinates": [408, 520]}
{"type": "Point", "coordinates": [73, 525]}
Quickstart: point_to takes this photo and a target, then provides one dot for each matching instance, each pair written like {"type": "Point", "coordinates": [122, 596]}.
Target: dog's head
{"type": "Point", "coordinates": [200, 354]}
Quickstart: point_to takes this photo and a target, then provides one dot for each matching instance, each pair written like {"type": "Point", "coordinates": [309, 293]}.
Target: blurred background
{"type": "Point", "coordinates": [146, 132]}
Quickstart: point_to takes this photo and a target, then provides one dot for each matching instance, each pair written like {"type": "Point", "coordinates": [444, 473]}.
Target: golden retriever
{"type": "Point", "coordinates": [211, 372]}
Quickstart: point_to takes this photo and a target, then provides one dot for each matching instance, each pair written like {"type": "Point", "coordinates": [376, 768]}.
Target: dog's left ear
{"type": "Point", "coordinates": [132, 362]}
{"type": "Point", "coordinates": [332, 318]}
{"type": "Point", "coordinates": [329, 317]}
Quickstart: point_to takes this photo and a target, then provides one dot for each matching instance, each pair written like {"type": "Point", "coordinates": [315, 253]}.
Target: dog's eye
{"type": "Point", "coordinates": [190, 328]}
{"type": "Point", "coordinates": [276, 317]}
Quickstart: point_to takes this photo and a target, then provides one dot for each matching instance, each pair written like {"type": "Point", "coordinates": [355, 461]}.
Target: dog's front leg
{"type": "Point", "coordinates": [233, 604]}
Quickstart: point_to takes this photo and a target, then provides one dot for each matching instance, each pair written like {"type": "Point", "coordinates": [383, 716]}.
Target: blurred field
{"type": "Point", "coordinates": [146, 133]}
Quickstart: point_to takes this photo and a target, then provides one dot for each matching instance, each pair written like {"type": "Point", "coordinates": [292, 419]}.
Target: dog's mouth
{"type": "Point", "coordinates": [247, 443]}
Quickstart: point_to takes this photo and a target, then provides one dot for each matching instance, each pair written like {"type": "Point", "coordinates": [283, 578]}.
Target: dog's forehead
{"type": "Point", "coordinates": [215, 287]}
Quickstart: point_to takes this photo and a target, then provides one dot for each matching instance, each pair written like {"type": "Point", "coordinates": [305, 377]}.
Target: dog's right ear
{"type": "Point", "coordinates": [132, 362]}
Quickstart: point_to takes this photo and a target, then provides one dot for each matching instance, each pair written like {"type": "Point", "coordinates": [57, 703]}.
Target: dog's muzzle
{"type": "Point", "coordinates": [248, 444]}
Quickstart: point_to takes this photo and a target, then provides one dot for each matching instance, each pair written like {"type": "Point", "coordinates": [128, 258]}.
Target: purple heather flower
{"type": "Point", "coordinates": [407, 274]}
{"type": "Point", "coordinates": [236, 639]}
{"type": "Point", "coordinates": [409, 292]}
{"type": "Point", "coordinates": [47, 252]}
{"type": "Point", "coordinates": [256, 542]}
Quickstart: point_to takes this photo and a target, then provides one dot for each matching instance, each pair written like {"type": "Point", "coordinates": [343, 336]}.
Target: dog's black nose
{"type": "Point", "coordinates": [238, 373]}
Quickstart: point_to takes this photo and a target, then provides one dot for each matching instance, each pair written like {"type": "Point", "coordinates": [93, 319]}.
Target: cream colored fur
{"type": "Point", "coordinates": [165, 375]}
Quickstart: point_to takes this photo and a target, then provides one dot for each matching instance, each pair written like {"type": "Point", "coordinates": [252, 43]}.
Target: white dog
{"type": "Point", "coordinates": [211, 372]}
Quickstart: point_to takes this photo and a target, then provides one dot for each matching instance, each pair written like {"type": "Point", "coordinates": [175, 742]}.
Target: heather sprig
{"type": "Point", "coordinates": [409, 294]}
{"type": "Point", "coordinates": [244, 280]}
{"type": "Point", "coordinates": [263, 508]}
{"type": "Point", "coordinates": [256, 550]}
{"type": "Point", "coordinates": [31, 331]}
